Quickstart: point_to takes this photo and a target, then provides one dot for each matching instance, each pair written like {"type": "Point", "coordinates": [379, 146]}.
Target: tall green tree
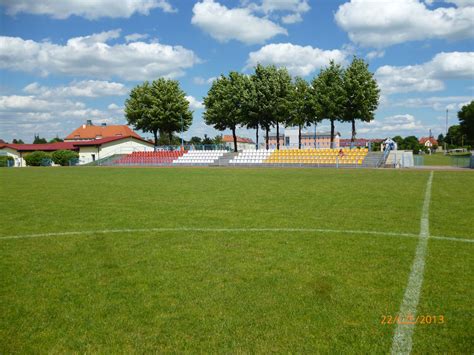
{"type": "Point", "coordinates": [466, 121]}
{"type": "Point", "coordinates": [271, 102]}
{"type": "Point", "coordinates": [38, 140]}
{"type": "Point", "coordinates": [454, 136]}
{"type": "Point", "coordinates": [329, 95]}
{"type": "Point", "coordinates": [361, 94]}
{"type": "Point", "coordinates": [225, 103]}
{"type": "Point", "coordinates": [302, 112]}
{"type": "Point", "coordinates": [158, 107]}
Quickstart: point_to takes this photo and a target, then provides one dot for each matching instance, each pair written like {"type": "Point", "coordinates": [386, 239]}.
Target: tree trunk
{"type": "Point", "coordinates": [256, 139]}
{"type": "Point", "coordinates": [235, 139]}
{"type": "Point", "coordinates": [332, 133]}
{"type": "Point", "coordinates": [299, 137]}
{"type": "Point", "coordinates": [353, 130]}
{"type": "Point", "coordinates": [155, 133]}
{"type": "Point", "coordinates": [278, 136]}
{"type": "Point", "coordinates": [266, 136]}
{"type": "Point", "coordinates": [170, 137]}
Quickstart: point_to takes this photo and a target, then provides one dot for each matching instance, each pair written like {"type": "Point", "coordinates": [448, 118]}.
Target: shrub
{"type": "Point", "coordinates": [6, 160]}
{"type": "Point", "coordinates": [38, 158]}
{"type": "Point", "coordinates": [63, 157]}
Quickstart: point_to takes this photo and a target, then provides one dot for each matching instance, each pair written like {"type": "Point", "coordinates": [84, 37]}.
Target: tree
{"type": "Point", "coordinates": [225, 103]}
{"type": "Point", "coordinates": [411, 143]}
{"type": "Point", "coordinates": [218, 139]}
{"type": "Point", "coordinates": [207, 140]}
{"type": "Point", "coordinates": [466, 120]}
{"type": "Point", "coordinates": [63, 157]}
{"type": "Point", "coordinates": [159, 107]}
{"type": "Point", "coordinates": [56, 139]}
{"type": "Point", "coordinates": [271, 100]}
{"type": "Point", "coordinates": [361, 93]}
{"type": "Point", "coordinates": [37, 158]}
{"type": "Point", "coordinates": [399, 141]}
{"type": "Point", "coordinates": [454, 136]}
{"type": "Point", "coordinates": [302, 111]}
{"type": "Point", "coordinates": [17, 141]}
{"type": "Point", "coordinates": [195, 141]}
{"type": "Point", "coordinates": [440, 140]}
{"type": "Point", "coordinates": [329, 95]}
{"type": "Point", "coordinates": [39, 140]}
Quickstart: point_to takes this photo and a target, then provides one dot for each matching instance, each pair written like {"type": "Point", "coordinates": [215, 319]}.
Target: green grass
{"type": "Point", "coordinates": [437, 159]}
{"type": "Point", "coordinates": [228, 291]}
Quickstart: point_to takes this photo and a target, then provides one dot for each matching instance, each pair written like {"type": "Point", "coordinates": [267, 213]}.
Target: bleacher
{"type": "Point", "coordinates": [150, 158]}
{"type": "Point", "coordinates": [251, 157]}
{"type": "Point", "coordinates": [199, 157]}
{"type": "Point", "coordinates": [325, 157]}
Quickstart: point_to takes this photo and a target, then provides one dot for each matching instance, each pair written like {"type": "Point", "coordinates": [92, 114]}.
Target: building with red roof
{"type": "Point", "coordinates": [90, 131]}
{"type": "Point", "coordinates": [242, 142]}
{"type": "Point", "coordinates": [428, 142]}
{"type": "Point", "coordinates": [89, 150]}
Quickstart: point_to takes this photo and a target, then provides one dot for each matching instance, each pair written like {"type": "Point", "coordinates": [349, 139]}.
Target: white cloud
{"type": "Point", "coordinates": [89, 9]}
{"type": "Point", "coordinates": [85, 88]}
{"type": "Point", "coordinates": [23, 116]}
{"type": "Point", "coordinates": [437, 103]}
{"type": "Point", "coordinates": [134, 37]}
{"type": "Point", "coordinates": [292, 18]}
{"type": "Point", "coordinates": [375, 54]}
{"type": "Point", "coordinates": [240, 24]}
{"type": "Point", "coordinates": [428, 76]}
{"type": "Point", "coordinates": [294, 9]}
{"type": "Point", "coordinates": [384, 23]}
{"type": "Point", "coordinates": [93, 56]}
{"type": "Point", "coordinates": [194, 103]}
{"type": "Point", "coordinates": [199, 80]}
{"type": "Point", "coordinates": [403, 125]}
{"type": "Point", "coordinates": [297, 59]}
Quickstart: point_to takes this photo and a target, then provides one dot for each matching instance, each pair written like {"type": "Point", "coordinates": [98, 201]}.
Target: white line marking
{"type": "Point", "coordinates": [229, 230]}
{"type": "Point", "coordinates": [402, 339]}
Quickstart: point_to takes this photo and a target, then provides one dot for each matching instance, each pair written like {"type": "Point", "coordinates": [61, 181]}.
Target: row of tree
{"type": "Point", "coordinates": [462, 134]}
{"type": "Point", "coordinates": [270, 97]}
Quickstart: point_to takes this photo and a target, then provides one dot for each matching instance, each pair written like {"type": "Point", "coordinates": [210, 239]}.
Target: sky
{"type": "Point", "coordinates": [63, 62]}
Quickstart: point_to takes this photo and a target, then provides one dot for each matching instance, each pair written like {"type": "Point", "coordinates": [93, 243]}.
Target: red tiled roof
{"type": "Point", "coordinates": [48, 147]}
{"type": "Point", "coordinates": [423, 140]}
{"type": "Point", "coordinates": [230, 139]}
{"type": "Point", "coordinates": [92, 132]}
{"type": "Point", "coordinates": [107, 140]}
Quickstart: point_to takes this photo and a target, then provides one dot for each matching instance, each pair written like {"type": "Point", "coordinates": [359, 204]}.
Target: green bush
{"type": "Point", "coordinates": [38, 158]}
{"type": "Point", "coordinates": [6, 160]}
{"type": "Point", "coordinates": [63, 157]}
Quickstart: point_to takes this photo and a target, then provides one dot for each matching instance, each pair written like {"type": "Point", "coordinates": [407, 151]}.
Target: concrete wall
{"type": "Point", "coordinates": [400, 159]}
{"type": "Point", "coordinates": [123, 146]}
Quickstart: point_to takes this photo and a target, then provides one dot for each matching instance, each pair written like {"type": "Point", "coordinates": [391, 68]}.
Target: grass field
{"type": "Point", "coordinates": [230, 260]}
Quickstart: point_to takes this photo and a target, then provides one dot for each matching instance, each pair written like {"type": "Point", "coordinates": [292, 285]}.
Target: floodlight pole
{"type": "Point", "coordinates": [182, 132]}
{"type": "Point", "coordinates": [446, 130]}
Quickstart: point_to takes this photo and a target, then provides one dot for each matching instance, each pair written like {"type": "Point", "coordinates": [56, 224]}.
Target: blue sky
{"type": "Point", "coordinates": [63, 62]}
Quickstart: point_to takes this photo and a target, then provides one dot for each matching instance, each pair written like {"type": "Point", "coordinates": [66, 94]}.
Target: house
{"type": "Point", "coordinates": [242, 142]}
{"type": "Point", "coordinates": [18, 151]}
{"type": "Point", "coordinates": [89, 151]}
{"type": "Point", "coordinates": [289, 138]}
{"type": "Point", "coordinates": [90, 131]}
{"type": "Point", "coordinates": [428, 142]}
{"type": "Point", "coordinates": [93, 150]}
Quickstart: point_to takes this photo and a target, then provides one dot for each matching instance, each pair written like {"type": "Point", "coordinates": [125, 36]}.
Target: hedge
{"type": "Point", "coordinates": [38, 158]}
{"type": "Point", "coordinates": [63, 157]}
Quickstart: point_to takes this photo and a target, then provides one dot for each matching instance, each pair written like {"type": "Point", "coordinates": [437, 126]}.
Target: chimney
{"type": "Point", "coordinates": [104, 124]}
{"type": "Point", "coordinates": [89, 123]}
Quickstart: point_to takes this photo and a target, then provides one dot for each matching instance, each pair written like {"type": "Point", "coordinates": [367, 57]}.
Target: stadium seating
{"type": "Point", "coordinates": [344, 156]}
{"type": "Point", "coordinates": [251, 157]}
{"type": "Point", "coordinates": [150, 158]}
{"type": "Point", "coordinates": [199, 157]}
